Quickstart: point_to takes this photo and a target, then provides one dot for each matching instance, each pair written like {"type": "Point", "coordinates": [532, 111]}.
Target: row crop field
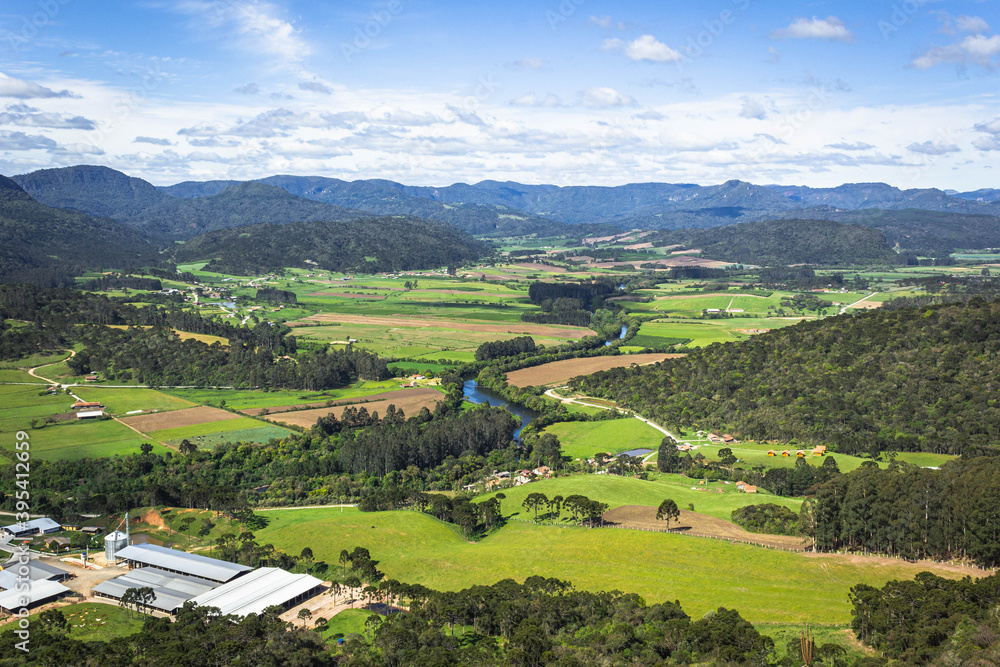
{"type": "Point", "coordinates": [560, 371]}
{"type": "Point", "coordinates": [410, 404]}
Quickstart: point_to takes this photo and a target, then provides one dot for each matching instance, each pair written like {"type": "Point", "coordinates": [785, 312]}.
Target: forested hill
{"type": "Point", "coordinates": [371, 245]}
{"type": "Point", "coordinates": [94, 190]}
{"type": "Point", "coordinates": [777, 242]}
{"type": "Point", "coordinates": [907, 380]}
{"type": "Point", "coordinates": [48, 245]}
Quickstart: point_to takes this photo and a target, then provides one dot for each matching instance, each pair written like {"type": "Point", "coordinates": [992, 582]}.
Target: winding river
{"type": "Point", "coordinates": [476, 394]}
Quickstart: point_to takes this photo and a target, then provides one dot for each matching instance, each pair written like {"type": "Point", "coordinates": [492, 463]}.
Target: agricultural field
{"type": "Point", "coordinates": [245, 399]}
{"type": "Point", "coordinates": [92, 622]}
{"type": "Point", "coordinates": [175, 419]}
{"type": "Point", "coordinates": [561, 371]}
{"type": "Point", "coordinates": [581, 440]}
{"type": "Point", "coordinates": [74, 440]}
{"type": "Point", "coordinates": [244, 429]}
{"type": "Point", "coordinates": [122, 401]}
{"type": "Point", "coordinates": [400, 395]}
{"type": "Point", "coordinates": [410, 404]}
{"type": "Point", "coordinates": [763, 584]}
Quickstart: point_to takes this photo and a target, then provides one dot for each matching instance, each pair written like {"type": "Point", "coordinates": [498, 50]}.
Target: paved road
{"type": "Point", "coordinates": [551, 394]}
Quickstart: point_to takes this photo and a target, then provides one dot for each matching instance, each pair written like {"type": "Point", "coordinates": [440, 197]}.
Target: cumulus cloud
{"type": "Point", "coordinates": [992, 127]}
{"type": "Point", "coordinates": [11, 86]}
{"type": "Point", "coordinates": [856, 146]}
{"type": "Point", "coordinates": [605, 98]}
{"type": "Point", "coordinates": [831, 29]}
{"type": "Point", "coordinates": [19, 141]}
{"type": "Point", "coordinates": [215, 142]}
{"type": "Point", "coordinates": [532, 100]}
{"type": "Point", "coordinates": [933, 148]}
{"type": "Point", "coordinates": [249, 89]}
{"type": "Point", "coordinates": [645, 48]}
{"type": "Point", "coordinates": [315, 87]}
{"type": "Point", "coordinates": [974, 24]}
{"type": "Point", "coordinates": [978, 49]}
{"type": "Point", "coordinates": [15, 115]}
{"type": "Point", "coordinates": [751, 108]}
{"type": "Point", "coordinates": [990, 143]}
{"type": "Point", "coordinates": [153, 140]}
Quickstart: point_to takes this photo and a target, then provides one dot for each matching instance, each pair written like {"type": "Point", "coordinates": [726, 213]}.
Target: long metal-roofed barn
{"type": "Point", "coordinates": [181, 562]}
{"type": "Point", "coordinates": [44, 585]}
{"type": "Point", "coordinates": [41, 526]}
{"type": "Point", "coordinates": [264, 587]}
{"type": "Point", "coordinates": [171, 590]}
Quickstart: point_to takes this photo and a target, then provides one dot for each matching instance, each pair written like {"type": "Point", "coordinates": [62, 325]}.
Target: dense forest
{"type": "Point", "coordinates": [372, 245]}
{"type": "Point", "coordinates": [782, 242]}
{"type": "Point", "coordinates": [49, 246]}
{"type": "Point", "coordinates": [904, 380]}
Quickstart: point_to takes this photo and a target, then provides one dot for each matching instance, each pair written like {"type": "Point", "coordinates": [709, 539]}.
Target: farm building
{"type": "Point", "coordinates": [819, 450]}
{"type": "Point", "coordinates": [264, 587]}
{"type": "Point", "coordinates": [86, 405]}
{"type": "Point", "coordinates": [90, 414]}
{"type": "Point", "coordinates": [729, 440]}
{"type": "Point", "coordinates": [770, 452]}
{"type": "Point", "coordinates": [44, 587]}
{"type": "Point", "coordinates": [746, 488]}
{"type": "Point", "coordinates": [181, 562]}
{"type": "Point", "coordinates": [785, 452]}
{"type": "Point", "coordinates": [42, 526]}
{"type": "Point", "coordinates": [800, 454]}
{"type": "Point", "coordinates": [90, 378]}
{"type": "Point", "coordinates": [714, 438]}
{"type": "Point", "coordinates": [170, 590]}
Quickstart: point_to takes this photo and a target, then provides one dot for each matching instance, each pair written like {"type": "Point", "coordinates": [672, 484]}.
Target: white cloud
{"type": "Point", "coordinates": [19, 141]}
{"type": "Point", "coordinates": [15, 116]}
{"type": "Point", "coordinates": [751, 108]}
{"type": "Point", "coordinates": [649, 114]}
{"type": "Point", "coordinates": [532, 100]}
{"type": "Point", "coordinates": [256, 26]}
{"type": "Point", "coordinates": [602, 22]}
{"type": "Point", "coordinates": [644, 48]}
{"type": "Point", "coordinates": [315, 87]}
{"type": "Point", "coordinates": [528, 63]}
{"type": "Point", "coordinates": [991, 143]}
{"type": "Point", "coordinates": [604, 98]}
{"type": "Point", "coordinates": [215, 142]}
{"type": "Point", "coordinates": [933, 148]}
{"type": "Point", "coordinates": [831, 28]}
{"type": "Point", "coordinates": [978, 49]}
{"type": "Point", "coordinates": [973, 24]}
{"type": "Point", "coordinates": [856, 146]}
{"type": "Point", "coordinates": [773, 55]}
{"type": "Point", "coordinates": [153, 140]}
{"type": "Point", "coordinates": [992, 127]}
{"type": "Point", "coordinates": [249, 89]}
{"type": "Point", "coordinates": [11, 86]}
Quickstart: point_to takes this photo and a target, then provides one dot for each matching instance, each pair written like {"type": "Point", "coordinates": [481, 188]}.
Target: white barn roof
{"type": "Point", "coordinates": [36, 571]}
{"type": "Point", "coordinates": [183, 562]}
{"type": "Point", "coordinates": [255, 592]}
{"type": "Point", "coordinates": [171, 590]}
{"type": "Point", "coordinates": [39, 591]}
{"type": "Point", "coordinates": [42, 525]}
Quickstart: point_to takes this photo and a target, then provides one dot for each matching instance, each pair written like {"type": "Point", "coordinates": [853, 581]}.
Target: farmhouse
{"type": "Point", "coordinates": [785, 452]}
{"type": "Point", "coordinates": [819, 450]}
{"type": "Point", "coordinates": [86, 405]}
{"type": "Point", "coordinates": [730, 440]}
{"type": "Point", "coordinates": [746, 488]}
{"type": "Point", "coordinates": [42, 526]}
{"type": "Point", "coordinates": [770, 452]}
{"type": "Point", "coordinates": [714, 438]}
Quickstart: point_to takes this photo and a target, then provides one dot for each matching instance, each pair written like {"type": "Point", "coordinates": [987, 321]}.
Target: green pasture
{"type": "Point", "coordinates": [347, 622]}
{"type": "Point", "coordinates": [75, 440]}
{"type": "Point", "coordinates": [22, 404]}
{"type": "Point", "coordinates": [222, 431]}
{"type": "Point", "coordinates": [581, 440]}
{"type": "Point", "coordinates": [414, 367]}
{"type": "Point", "coordinates": [260, 433]}
{"type": "Point", "coordinates": [715, 499]}
{"type": "Point", "coordinates": [763, 584]}
{"type": "Point", "coordinates": [33, 361]}
{"type": "Point", "coordinates": [92, 622]}
{"type": "Point", "coordinates": [15, 375]}
{"type": "Point", "coordinates": [118, 401]}
{"type": "Point", "coordinates": [243, 399]}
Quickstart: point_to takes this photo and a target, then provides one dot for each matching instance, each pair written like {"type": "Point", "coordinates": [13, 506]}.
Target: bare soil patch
{"type": "Point", "coordinates": [867, 305]}
{"type": "Point", "coordinates": [642, 517]}
{"type": "Point", "coordinates": [176, 418]}
{"type": "Point", "coordinates": [702, 295]}
{"type": "Point", "coordinates": [638, 246]}
{"type": "Point", "coordinates": [410, 405]}
{"type": "Point", "coordinates": [532, 266]}
{"type": "Point", "coordinates": [560, 371]}
{"type": "Point", "coordinates": [398, 395]}
{"type": "Point", "coordinates": [519, 328]}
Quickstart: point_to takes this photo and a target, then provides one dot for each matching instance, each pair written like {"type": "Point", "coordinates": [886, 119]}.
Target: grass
{"type": "Point", "coordinates": [81, 439]}
{"type": "Point", "coordinates": [763, 584]}
{"type": "Point", "coordinates": [242, 399]}
{"type": "Point", "coordinates": [222, 429]}
{"type": "Point", "coordinates": [22, 404]}
{"type": "Point", "coordinates": [258, 434]}
{"type": "Point", "coordinates": [93, 622]}
{"type": "Point", "coordinates": [121, 401]}
{"type": "Point", "coordinates": [618, 491]}
{"type": "Point", "coordinates": [34, 360]}
{"type": "Point", "coordinates": [786, 638]}
{"type": "Point", "coordinates": [15, 375]}
{"type": "Point", "coordinates": [581, 440]}
{"type": "Point", "coordinates": [349, 621]}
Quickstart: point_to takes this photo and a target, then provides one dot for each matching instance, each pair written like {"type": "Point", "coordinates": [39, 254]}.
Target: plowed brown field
{"type": "Point", "coordinates": [544, 330]}
{"type": "Point", "coordinates": [560, 371]}
{"type": "Point", "coordinates": [392, 396]}
{"type": "Point", "coordinates": [410, 405]}
{"type": "Point", "coordinates": [176, 418]}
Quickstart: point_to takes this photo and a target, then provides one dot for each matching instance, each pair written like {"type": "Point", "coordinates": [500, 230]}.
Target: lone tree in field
{"type": "Point", "coordinates": [534, 501]}
{"type": "Point", "coordinates": [667, 511]}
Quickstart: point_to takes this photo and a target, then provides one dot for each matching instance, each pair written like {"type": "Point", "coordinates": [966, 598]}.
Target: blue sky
{"type": "Point", "coordinates": [555, 91]}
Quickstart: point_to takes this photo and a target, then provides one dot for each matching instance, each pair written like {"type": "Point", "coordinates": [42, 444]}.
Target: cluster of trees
{"type": "Point", "coordinates": [906, 380]}
{"type": "Point", "coordinates": [581, 508]}
{"type": "Point", "coordinates": [584, 293]}
{"type": "Point", "coordinates": [931, 620]}
{"type": "Point", "coordinates": [913, 512]}
{"type": "Point", "coordinates": [946, 289]}
{"type": "Point", "coordinates": [160, 357]}
{"type": "Point", "coordinates": [505, 348]}
{"type": "Point", "coordinates": [119, 281]}
{"type": "Point", "coordinates": [547, 622]}
{"type": "Point", "coordinates": [767, 518]}
{"type": "Point", "coordinates": [274, 295]}
{"type": "Point", "coordinates": [372, 245]}
{"type": "Point", "coordinates": [196, 636]}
